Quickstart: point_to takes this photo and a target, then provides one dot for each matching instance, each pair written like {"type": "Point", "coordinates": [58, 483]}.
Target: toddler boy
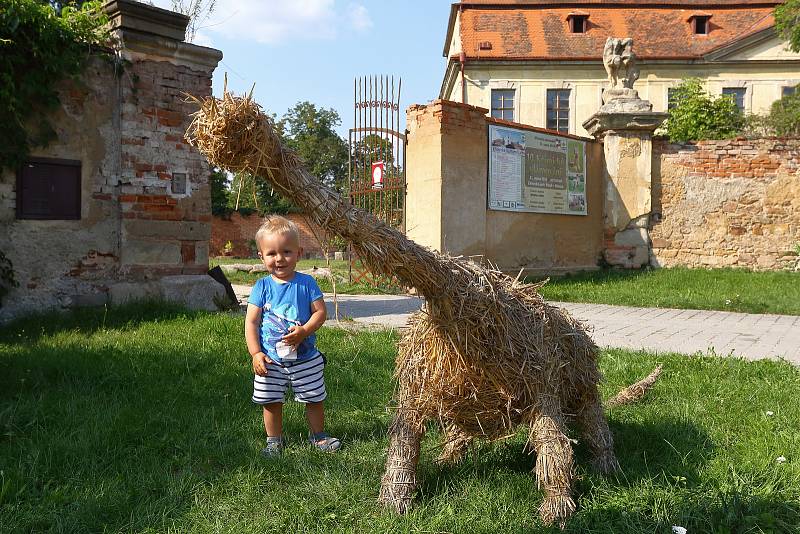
{"type": "Point", "coordinates": [283, 312]}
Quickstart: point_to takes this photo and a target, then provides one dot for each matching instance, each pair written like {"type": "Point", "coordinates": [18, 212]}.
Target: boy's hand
{"type": "Point", "coordinates": [296, 335]}
{"type": "Point", "coordinates": [260, 362]}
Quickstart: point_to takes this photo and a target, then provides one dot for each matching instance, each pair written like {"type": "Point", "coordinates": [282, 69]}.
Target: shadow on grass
{"type": "Point", "coordinates": [646, 452]}
{"type": "Point", "coordinates": [643, 451]}
{"type": "Point", "coordinates": [89, 320]}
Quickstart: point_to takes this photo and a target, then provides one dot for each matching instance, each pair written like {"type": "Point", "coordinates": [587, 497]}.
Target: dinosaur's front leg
{"type": "Point", "coordinates": [553, 461]}
{"type": "Point", "coordinates": [400, 478]}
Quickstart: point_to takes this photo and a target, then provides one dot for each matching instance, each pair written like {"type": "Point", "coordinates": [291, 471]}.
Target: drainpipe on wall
{"type": "Point", "coordinates": [462, 57]}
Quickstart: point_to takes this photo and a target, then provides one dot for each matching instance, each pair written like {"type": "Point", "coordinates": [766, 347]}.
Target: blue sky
{"type": "Point", "coordinates": [313, 49]}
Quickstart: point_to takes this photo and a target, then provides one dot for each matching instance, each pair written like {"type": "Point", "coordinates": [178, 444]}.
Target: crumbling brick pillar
{"type": "Point", "coordinates": [163, 187]}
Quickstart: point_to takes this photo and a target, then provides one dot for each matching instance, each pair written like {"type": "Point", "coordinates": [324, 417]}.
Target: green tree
{"type": "Point", "coordinates": [694, 114]}
{"type": "Point", "coordinates": [220, 192]}
{"type": "Point", "coordinates": [244, 193]}
{"type": "Point", "coordinates": [787, 22]}
{"type": "Point", "coordinates": [310, 131]}
{"type": "Point", "coordinates": [784, 115]}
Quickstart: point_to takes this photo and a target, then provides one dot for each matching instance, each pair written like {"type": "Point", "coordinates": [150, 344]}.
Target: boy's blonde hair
{"type": "Point", "coordinates": [275, 224]}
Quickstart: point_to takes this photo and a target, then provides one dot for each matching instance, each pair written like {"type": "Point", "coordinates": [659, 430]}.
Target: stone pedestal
{"type": "Point", "coordinates": [625, 127]}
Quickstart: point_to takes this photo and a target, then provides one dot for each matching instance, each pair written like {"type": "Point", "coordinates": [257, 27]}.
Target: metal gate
{"type": "Point", "coordinates": [377, 158]}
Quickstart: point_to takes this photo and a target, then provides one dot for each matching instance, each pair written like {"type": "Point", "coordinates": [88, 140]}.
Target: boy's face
{"type": "Point", "coordinates": [280, 253]}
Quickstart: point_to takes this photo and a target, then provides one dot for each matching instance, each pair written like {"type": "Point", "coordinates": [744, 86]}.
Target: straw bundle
{"type": "Point", "coordinates": [485, 354]}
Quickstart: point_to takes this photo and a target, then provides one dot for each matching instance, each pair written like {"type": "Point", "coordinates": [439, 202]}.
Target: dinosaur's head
{"type": "Point", "coordinates": [235, 134]}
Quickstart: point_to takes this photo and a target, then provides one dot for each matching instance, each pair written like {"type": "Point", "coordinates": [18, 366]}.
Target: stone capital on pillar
{"type": "Point", "coordinates": [605, 121]}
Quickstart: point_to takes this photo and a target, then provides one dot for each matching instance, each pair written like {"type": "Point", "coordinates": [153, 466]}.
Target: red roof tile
{"type": "Point", "coordinates": [536, 29]}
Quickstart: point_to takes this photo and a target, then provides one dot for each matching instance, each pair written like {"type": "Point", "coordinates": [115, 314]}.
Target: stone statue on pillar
{"type": "Point", "coordinates": [625, 125]}
{"type": "Point", "coordinates": [620, 63]}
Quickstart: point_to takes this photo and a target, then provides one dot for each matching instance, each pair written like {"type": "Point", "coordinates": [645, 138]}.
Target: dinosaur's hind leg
{"type": "Point", "coordinates": [400, 478]}
{"type": "Point", "coordinates": [456, 445]}
{"type": "Point", "coordinates": [553, 461]}
{"type": "Point", "coordinates": [594, 426]}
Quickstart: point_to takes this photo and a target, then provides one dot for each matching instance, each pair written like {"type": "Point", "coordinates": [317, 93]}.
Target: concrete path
{"type": "Point", "coordinates": [655, 329]}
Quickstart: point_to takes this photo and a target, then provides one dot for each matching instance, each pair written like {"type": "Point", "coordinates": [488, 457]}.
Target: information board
{"type": "Point", "coordinates": [536, 172]}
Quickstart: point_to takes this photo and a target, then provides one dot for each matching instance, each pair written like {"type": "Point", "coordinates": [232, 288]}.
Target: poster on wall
{"type": "Point", "coordinates": [536, 172]}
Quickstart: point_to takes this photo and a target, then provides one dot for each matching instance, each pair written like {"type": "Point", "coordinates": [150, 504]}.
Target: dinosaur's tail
{"type": "Point", "coordinates": [636, 391]}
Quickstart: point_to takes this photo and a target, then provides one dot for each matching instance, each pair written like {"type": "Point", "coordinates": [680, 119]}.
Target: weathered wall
{"type": "Point", "coordinates": [127, 131]}
{"type": "Point", "coordinates": [446, 206]}
{"type": "Point", "coordinates": [240, 230]}
{"type": "Point", "coordinates": [61, 262]}
{"type": "Point", "coordinates": [543, 242]}
{"type": "Point", "coordinates": [726, 203]}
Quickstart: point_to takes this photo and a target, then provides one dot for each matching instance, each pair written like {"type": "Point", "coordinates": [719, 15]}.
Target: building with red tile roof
{"type": "Point", "coordinates": [539, 61]}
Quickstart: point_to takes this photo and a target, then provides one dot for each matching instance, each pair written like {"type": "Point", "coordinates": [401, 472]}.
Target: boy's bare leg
{"type": "Point", "coordinates": [315, 413]}
{"type": "Point", "coordinates": [273, 419]}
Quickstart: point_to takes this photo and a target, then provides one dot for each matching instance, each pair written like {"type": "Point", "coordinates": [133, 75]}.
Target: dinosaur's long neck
{"type": "Point", "coordinates": [382, 248]}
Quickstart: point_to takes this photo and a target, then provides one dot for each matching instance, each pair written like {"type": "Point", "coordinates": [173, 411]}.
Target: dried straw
{"type": "Point", "coordinates": [485, 354]}
{"type": "Point", "coordinates": [636, 391]}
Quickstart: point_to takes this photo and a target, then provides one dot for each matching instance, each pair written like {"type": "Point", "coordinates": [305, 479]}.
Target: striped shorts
{"type": "Point", "coordinates": [304, 376]}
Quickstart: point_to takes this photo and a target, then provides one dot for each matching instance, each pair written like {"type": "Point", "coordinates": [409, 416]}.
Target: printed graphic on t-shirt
{"type": "Point", "coordinates": [278, 321]}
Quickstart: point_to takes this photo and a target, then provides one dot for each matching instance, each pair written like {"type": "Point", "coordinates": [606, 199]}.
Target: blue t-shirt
{"type": "Point", "coordinates": [283, 305]}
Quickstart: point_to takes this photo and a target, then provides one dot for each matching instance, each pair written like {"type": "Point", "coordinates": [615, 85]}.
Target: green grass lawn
{"type": "Point", "coordinates": [340, 268]}
{"type": "Point", "coordinates": [139, 420]}
{"type": "Point", "coordinates": [734, 290]}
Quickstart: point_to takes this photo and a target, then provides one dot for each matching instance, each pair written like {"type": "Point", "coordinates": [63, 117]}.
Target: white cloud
{"type": "Point", "coordinates": [359, 17]}
{"type": "Point", "coordinates": [280, 21]}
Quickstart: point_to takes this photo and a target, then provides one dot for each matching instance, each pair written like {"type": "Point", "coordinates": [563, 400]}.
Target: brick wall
{"type": "Point", "coordinates": [726, 203]}
{"type": "Point", "coordinates": [125, 126]}
{"type": "Point", "coordinates": [240, 230]}
{"type": "Point", "coordinates": [164, 231]}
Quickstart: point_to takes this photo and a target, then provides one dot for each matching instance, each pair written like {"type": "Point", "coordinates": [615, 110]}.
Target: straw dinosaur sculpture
{"type": "Point", "coordinates": [485, 355]}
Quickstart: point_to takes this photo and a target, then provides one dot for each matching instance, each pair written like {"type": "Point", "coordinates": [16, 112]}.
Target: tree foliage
{"type": "Point", "coordinates": [787, 22]}
{"type": "Point", "coordinates": [784, 115]}
{"type": "Point", "coordinates": [220, 192]}
{"type": "Point", "coordinates": [694, 114]}
{"type": "Point", "coordinates": [310, 131]}
{"type": "Point", "coordinates": [41, 43]}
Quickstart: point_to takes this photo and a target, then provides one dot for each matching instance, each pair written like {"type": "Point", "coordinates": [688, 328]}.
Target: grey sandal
{"type": "Point", "coordinates": [274, 447]}
{"type": "Point", "coordinates": [324, 442]}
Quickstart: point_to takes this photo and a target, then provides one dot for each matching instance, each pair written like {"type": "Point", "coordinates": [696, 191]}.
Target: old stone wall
{"type": "Point", "coordinates": [726, 203]}
{"type": "Point", "coordinates": [240, 230]}
{"type": "Point", "coordinates": [123, 119]}
{"type": "Point", "coordinates": [446, 206]}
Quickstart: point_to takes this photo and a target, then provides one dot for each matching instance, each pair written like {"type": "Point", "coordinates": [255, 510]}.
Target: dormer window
{"type": "Point", "coordinates": [578, 22]}
{"type": "Point", "coordinates": [700, 23]}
